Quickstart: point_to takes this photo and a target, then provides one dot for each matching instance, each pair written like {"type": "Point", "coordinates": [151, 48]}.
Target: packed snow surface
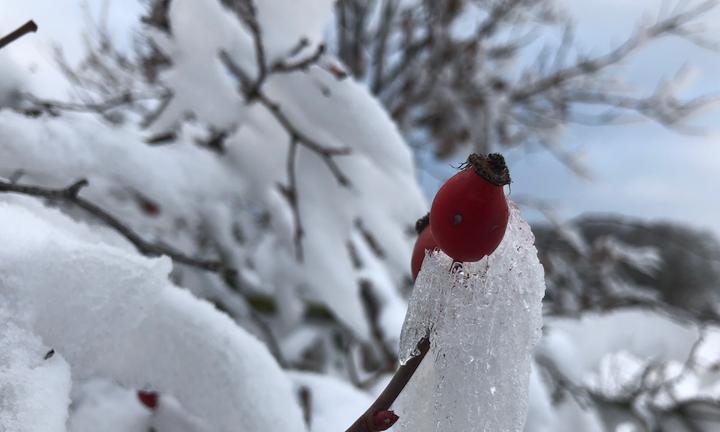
{"type": "Point", "coordinates": [112, 313]}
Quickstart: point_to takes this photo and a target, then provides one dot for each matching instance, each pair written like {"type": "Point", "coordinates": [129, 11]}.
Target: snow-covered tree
{"type": "Point", "coordinates": [223, 216]}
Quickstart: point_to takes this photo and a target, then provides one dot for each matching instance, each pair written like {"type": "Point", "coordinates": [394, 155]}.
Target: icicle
{"type": "Point", "coordinates": [483, 320]}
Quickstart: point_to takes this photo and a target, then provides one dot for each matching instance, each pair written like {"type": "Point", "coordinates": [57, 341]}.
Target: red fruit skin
{"type": "Point", "coordinates": [148, 398]}
{"type": "Point", "coordinates": [424, 242]}
{"type": "Point", "coordinates": [483, 216]}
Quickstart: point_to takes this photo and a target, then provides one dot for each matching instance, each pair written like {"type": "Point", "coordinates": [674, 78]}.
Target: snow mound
{"type": "Point", "coordinates": [111, 313]}
{"type": "Point", "coordinates": [34, 382]}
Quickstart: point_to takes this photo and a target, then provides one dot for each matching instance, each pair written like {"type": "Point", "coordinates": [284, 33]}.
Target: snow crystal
{"type": "Point", "coordinates": [34, 382]}
{"type": "Point", "coordinates": [483, 320]}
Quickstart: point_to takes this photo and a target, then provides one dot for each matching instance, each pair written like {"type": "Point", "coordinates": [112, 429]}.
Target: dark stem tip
{"type": "Point", "coordinates": [422, 223]}
{"type": "Point", "coordinates": [491, 167]}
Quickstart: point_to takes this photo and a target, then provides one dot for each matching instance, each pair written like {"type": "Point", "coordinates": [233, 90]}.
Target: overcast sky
{"type": "Point", "coordinates": [640, 170]}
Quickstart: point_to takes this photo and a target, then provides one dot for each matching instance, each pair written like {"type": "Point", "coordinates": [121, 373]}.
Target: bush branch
{"type": "Point", "coordinates": [396, 385]}
{"type": "Point", "coordinates": [253, 93]}
{"type": "Point", "coordinates": [28, 27]}
{"type": "Point", "coordinates": [70, 195]}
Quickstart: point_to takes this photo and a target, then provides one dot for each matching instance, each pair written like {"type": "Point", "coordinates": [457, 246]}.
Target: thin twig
{"type": "Point", "coordinates": [284, 66]}
{"type": "Point", "coordinates": [587, 67]}
{"type": "Point", "coordinates": [97, 107]}
{"type": "Point", "coordinates": [253, 93]}
{"type": "Point", "coordinates": [291, 194]}
{"type": "Point", "coordinates": [28, 27]}
{"type": "Point", "coordinates": [381, 46]}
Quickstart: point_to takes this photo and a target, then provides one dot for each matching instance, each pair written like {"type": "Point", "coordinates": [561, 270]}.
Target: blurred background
{"type": "Point", "coordinates": [605, 111]}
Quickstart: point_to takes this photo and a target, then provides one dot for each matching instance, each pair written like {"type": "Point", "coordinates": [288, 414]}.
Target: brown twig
{"type": "Point", "coordinates": [372, 306]}
{"type": "Point", "coordinates": [127, 98]}
{"type": "Point", "coordinates": [285, 66]}
{"type": "Point", "coordinates": [70, 195]}
{"type": "Point", "coordinates": [396, 385]}
{"type": "Point", "coordinates": [305, 397]}
{"type": "Point", "coordinates": [28, 27]}
{"type": "Point", "coordinates": [668, 26]}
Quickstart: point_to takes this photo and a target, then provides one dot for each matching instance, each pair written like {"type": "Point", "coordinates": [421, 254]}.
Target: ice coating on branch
{"type": "Point", "coordinates": [483, 320]}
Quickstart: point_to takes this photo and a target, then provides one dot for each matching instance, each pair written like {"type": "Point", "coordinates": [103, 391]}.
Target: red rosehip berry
{"type": "Point", "coordinates": [424, 243]}
{"type": "Point", "coordinates": [469, 214]}
{"type": "Point", "coordinates": [148, 398]}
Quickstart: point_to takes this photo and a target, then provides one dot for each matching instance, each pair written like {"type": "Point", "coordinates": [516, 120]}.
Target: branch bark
{"type": "Point", "coordinates": [28, 27]}
{"type": "Point", "coordinates": [365, 423]}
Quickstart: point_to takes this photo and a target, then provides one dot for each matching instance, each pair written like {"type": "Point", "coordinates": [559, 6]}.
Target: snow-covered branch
{"type": "Point", "coordinates": [70, 195]}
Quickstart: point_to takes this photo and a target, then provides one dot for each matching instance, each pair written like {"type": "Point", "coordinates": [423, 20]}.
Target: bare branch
{"type": "Point", "coordinates": [496, 17]}
{"type": "Point", "coordinates": [291, 194]}
{"type": "Point", "coordinates": [384, 30]}
{"type": "Point", "coordinates": [396, 385]}
{"type": "Point", "coordinates": [669, 25]}
{"type": "Point", "coordinates": [28, 27]}
{"type": "Point", "coordinates": [53, 106]}
{"type": "Point", "coordinates": [283, 66]}
{"type": "Point", "coordinates": [326, 153]}
{"type": "Point", "coordinates": [297, 138]}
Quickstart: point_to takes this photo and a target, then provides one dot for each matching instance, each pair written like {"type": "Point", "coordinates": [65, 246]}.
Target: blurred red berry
{"type": "Point", "coordinates": [424, 243]}
{"type": "Point", "coordinates": [148, 398]}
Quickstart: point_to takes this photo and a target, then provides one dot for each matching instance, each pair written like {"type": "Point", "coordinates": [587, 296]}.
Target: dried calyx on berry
{"type": "Point", "coordinates": [491, 167]}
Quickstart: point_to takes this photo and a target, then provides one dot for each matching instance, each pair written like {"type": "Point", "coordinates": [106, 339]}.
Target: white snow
{"type": "Point", "coordinates": [114, 314]}
{"type": "Point", "coordinates": [103, 405]}
{"type": "Point", "coordinates": [483, 322]}
{"type": "Point", "coordinates": [203, 195]}
{"type": "Point", "coordinates": [34, 391]}
{"type": "Point", "coordinates": [334, 404]}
